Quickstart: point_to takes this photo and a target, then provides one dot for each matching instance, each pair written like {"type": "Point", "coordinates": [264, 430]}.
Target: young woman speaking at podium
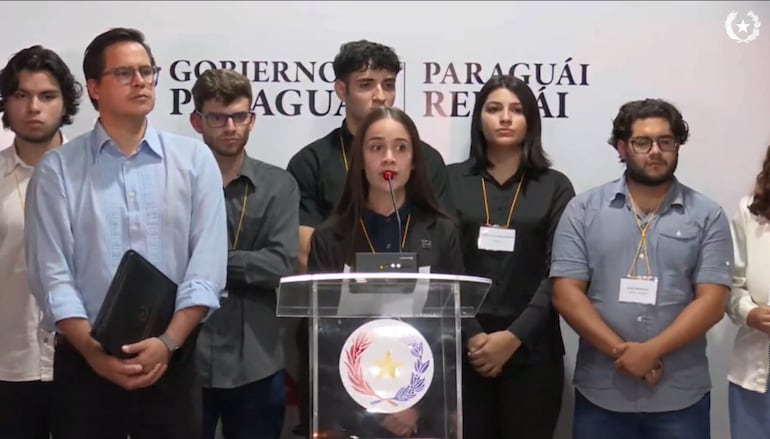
{"type": "Point", "coordinates": [387, 186]}
{"type": "Point", "coordinates": [385, 155]}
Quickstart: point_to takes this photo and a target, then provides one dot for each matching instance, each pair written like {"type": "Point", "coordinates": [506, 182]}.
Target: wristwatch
{"type": "Point", "coordinates": [170, 343]}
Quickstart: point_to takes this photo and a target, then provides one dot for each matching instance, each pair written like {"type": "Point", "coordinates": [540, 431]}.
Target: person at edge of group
{"type": "Point", "coordinates": [749, 309]}
{"type": "Point", "coordinates": [642, 268]}
{"type": "Point", "coordinates": [38, 96]}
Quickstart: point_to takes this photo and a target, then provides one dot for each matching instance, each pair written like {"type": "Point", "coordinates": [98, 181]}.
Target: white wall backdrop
{"type": "Point", "coordinates": [6, 137]}
{"type": "Point", "coordinates": [616, 52]}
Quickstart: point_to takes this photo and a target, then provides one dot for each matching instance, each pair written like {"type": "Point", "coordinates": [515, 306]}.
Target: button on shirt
{"type": "Point", "coordinates": [689, 243]}
{"type": "Point", "coordinates": [88, 203]}
{"type": "Point", "coordinates": [383, 230]}
{"type": "Point", "coordinates": [27, 351]}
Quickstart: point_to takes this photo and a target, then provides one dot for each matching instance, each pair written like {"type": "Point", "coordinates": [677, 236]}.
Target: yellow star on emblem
{"type": "Point", "coordinates": [387, 366]}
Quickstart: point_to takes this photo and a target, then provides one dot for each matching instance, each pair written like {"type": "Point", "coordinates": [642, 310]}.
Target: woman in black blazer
{"type": "Point", "coordinates": [364, 220]}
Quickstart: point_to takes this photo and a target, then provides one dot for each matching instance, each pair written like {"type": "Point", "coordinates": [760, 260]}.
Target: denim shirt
{"type": "Point", "coordinates": [689, 243]}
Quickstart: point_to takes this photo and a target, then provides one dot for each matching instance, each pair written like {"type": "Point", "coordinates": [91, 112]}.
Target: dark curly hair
{"type": "Point", "coordinates": [632, 111]}
{"type": "Point", "coordinates": [38, 59]}
{"type": "Point", "coordinates": [760, 203]}
{"type": "Point", "coordinates": [356, 56]}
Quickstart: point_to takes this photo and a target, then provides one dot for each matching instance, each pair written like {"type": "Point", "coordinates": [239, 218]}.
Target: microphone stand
{"type": "Point", "coordinates": [389, 176]}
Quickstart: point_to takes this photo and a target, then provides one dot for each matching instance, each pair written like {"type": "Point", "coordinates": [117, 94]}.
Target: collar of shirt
{"type": "Point", "coordinates": [515, 178]}
{"type": "Point", "coordinates": [471, 169]}
{"type": "Point", "coordinates": [10, 160]}
{"type": "Point", "coordinates": [619, 194]}
{"type": "Point", "coordinates": [100, 139]}
{"type": "Point", "coordinates": [374, 221]}
{"type": "Point", "coordinates": [249, 170]}
{"type": "Point", "coordinates": [347, 136]}
{"type": "Point", "coordinates": [383, 231]}
{"type": "Point", "coordinates": [421, 221]}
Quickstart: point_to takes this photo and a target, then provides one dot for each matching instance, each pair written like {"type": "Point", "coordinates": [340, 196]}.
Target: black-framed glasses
{"type": "Point", "coordinates": [124, 75]}
{"type": "Point", "coordinates": [643, 144]}
{"type": "Point", "coordinates": [218, 120]}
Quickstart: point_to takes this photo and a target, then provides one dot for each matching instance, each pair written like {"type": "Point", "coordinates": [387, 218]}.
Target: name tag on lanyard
{"type": "Point", "coordinates": [497, 239]}
{"type": "Point", "coordinates": [639, 289]}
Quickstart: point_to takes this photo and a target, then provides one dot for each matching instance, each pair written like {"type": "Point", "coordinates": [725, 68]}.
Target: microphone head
{"type": "Point", "coordinates": [387, 175]}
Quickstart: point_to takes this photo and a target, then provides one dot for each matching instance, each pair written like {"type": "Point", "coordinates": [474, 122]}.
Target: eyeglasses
{"type": "Point", "coordinates": [218, 120]}
{"type": "Point", "coordinates": [644, 144]}
{"type": "Point", "coordinates": [124, 75]}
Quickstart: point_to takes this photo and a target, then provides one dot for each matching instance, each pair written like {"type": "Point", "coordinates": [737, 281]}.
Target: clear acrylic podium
{"type": "Point", "coordinates": [385, 351]}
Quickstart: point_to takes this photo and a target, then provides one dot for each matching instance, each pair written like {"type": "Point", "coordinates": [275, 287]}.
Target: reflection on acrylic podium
{"type": "Point", "coordinates": [384, 350]}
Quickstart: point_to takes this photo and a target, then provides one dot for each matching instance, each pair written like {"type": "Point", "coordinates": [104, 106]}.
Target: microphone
{"type": "Point", "coordinates": [388, 176]}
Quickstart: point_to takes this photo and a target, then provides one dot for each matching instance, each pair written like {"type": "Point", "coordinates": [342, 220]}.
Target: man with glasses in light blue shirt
{"type": "Point", "coordinates": [125, 185]}
{"type": "Point", "coordinates": [642, 268]}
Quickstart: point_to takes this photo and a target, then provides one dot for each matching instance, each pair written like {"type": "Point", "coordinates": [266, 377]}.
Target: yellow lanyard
{"type": "Point", "coordinates": [344, 156]}
{"type": "Point", "coordinates": [643, 239]}
{"type": "Point", "coordinates": [243, 214]}
{"type": "Point", "coordinates": [513, 204]}
{"type": "Point", "coordinates": [371, 246]}
{"type": "Point", "coordinates": [18, 188]}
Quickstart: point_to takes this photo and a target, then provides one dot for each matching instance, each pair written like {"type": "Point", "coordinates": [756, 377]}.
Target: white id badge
{"type": "Point", "coordinates": [496, 239]}
{"type": "Point", "coordinates": [641, 289]}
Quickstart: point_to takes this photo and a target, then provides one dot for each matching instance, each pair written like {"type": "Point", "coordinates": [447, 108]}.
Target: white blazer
{"type": "Point", "coordinates": [751, 288]}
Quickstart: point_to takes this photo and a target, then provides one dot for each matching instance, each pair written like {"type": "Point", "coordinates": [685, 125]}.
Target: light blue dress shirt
{"type": "Point", "coordinates": [689, 243]}
{"type": "Point", "coordinates": [87, 203]}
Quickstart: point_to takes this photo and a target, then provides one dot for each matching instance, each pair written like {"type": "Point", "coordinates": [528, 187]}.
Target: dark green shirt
{"type": "Point", "coordinates": [240, 343]}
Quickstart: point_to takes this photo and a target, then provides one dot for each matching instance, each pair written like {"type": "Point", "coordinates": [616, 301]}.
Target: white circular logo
{"type": "Point", "coordinates": [386, 366]}
{"type": "Point", "coordinates": [740, 31]}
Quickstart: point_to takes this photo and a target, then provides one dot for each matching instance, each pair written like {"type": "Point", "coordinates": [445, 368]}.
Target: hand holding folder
{"type": "Point", "coordinates": [139, 304]}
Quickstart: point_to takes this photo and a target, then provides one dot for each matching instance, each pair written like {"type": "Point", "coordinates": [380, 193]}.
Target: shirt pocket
{"type": "Point", "coordinates": [678, 249]}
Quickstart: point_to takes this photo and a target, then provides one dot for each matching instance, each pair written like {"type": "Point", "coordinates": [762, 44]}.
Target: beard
{"type": "Point", "coordinates": [638, 175]}
{"type": "Point", "coordinates": [43, 137]}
